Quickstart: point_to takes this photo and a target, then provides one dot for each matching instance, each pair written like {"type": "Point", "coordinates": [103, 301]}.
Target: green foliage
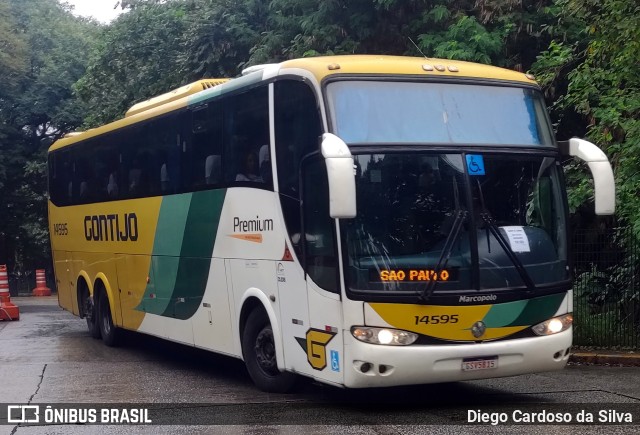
{"type": "Point", "coordinates": [137, 57]}
{"type": "Point", "coordinates": [13, 52]}
{"type": "Point", "coordinates": [591, 77]}
{"type": "Point", "coordinates": [220, 35]}
{"type": "Point", "coordinates": [550, 64]}
{"type": "Point", "coordinates": [595, 79]}
{"type": "Point", "coordinates": [44, 50]}
{"type": "Point", "coordinates": [466, 39]}
{"type": "Point", "coordinates": [159, 45]}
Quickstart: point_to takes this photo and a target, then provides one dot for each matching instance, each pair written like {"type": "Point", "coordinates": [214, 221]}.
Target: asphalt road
{"type": "Point", "coordinates": [47, 357]}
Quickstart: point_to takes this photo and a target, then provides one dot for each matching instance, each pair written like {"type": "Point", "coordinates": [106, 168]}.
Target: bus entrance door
{"type": "Point", "coordinates": [294, 315]}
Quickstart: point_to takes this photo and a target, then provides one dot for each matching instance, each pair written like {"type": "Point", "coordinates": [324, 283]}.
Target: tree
{"type": "Point", "coordinates": [137, 57]}
{"type": "Point", "coordinates": [44, 50]}
{"type": "Point", "coordinates": [594, 81]}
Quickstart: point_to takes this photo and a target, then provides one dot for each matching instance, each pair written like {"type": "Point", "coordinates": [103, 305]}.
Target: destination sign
{"type": "Point", "coordinates": [413, 275]}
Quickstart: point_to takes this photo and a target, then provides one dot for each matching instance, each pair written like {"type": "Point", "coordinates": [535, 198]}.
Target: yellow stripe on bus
{"type": "Point", "coordinates": [442, 322]}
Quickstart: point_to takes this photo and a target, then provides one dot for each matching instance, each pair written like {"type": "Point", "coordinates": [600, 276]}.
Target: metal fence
{"type": "Point", "coordinates": [606, 298]}
{"type": "Point", "coordinates": [22, 283]}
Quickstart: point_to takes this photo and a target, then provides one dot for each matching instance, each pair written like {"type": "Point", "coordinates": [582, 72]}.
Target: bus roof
{"type": "Point", "coordinates": [324, 66]}
{"type": "Point", "coordinates": [321, 67]}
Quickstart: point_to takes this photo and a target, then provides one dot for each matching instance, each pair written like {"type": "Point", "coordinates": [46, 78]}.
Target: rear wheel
{"type": "Point", "coordinates": [259, 352]}
{"type": "Point", "coordinates": [108, 330]}
{"type": "Point", "coordinates": [91, 315]}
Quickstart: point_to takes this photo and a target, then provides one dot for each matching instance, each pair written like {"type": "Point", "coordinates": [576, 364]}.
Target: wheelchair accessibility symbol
{"type": "Point", "coordinates": [335, 361]}
{"type": "Point", "coordinates": [475, 164]}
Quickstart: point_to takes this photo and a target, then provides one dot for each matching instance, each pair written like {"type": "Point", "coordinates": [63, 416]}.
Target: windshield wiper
{"type": "Point", "coordinates": [445, 254]}
{"type": "Point", "coordinates": [524, 275]}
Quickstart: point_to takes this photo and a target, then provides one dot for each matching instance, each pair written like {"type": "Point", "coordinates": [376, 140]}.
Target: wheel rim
{"type": "Point", "coordinates": [88, 309]}
{"type": "Point", "coordinates": [265, 350]}
{"type": "Point", "coordinates": [106, 319]}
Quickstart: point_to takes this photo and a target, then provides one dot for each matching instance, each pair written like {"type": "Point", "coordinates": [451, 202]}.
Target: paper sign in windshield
{"type": "Point", "coordinates": [517, 238]}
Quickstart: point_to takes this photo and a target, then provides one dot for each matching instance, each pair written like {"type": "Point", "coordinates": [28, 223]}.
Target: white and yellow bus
{"type": "Point", "coordinates": [361, 220]}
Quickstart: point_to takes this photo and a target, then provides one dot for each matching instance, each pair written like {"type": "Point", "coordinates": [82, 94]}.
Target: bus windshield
{"type": "Point", "coordinates": [445, 113]}
{"type": "Point", "coordinates": [414, 206]}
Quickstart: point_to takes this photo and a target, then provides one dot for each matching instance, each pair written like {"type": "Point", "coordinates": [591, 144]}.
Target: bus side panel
{"type": "Point", "coordinates": [60, 236]}
{"type": "Point", "coordinates": [294, 309]}
{"type": "Point", "coordinates": [325, 317]}
{"type": "Point", "coordinates": [133, 276]}
{"type": "Point", "coordinates": [249, 275]}
{"type": "Point", "coordinates": [64, 284]}
{"type": "Point", "coordinates": [212, 322]}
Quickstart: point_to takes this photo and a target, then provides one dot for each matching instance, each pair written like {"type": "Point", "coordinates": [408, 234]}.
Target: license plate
{"type": "Point", "coordinates": [486, 363]}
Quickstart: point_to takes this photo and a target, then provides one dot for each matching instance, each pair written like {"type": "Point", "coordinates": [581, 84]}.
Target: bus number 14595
{"type": "Point", "coordinates": [434, 320]}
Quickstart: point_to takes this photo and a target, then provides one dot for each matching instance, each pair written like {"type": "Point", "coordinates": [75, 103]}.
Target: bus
{"type": "Point", "coordinates": [364, 221]}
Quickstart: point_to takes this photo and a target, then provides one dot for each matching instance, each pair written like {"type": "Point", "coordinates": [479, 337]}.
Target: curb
{"type": "Point", "coordinates": [606, 358]}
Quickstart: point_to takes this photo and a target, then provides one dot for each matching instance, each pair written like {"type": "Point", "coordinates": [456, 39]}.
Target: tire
{"type": "Point", "coordinates": [258, 351]}
{"type": "Point", "coordinates": [108, 330]}
{"type": "Point", "coordinates": [91, 315]}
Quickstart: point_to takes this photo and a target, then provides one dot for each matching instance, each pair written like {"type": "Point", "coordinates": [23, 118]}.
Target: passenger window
{"type": "Point", "coordinates": [321, 255]}
{"type": "Point", "coordinates": [165, 149]}
{"type": "Point", "coordinates": [246, 133]}
{"type": "Point", "coordinates": [205, 148]}
{"type": "Point", "coordinates": [297, 132]}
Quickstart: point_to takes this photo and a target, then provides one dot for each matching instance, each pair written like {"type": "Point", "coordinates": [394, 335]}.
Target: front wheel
{"type": "Point", "coordinates": [259, 352]}
{"type": "Point", "coordinates": [108, 330]}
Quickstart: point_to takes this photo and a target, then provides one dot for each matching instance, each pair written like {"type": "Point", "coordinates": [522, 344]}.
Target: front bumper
{"type": "Point", "coordinates": [425, 364]}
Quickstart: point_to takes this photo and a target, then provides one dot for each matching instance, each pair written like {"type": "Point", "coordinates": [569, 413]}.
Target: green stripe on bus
{"type": "Point", "coordinates": [167, 244]}
{"type": "Point", "coordinates": [183, 245]}
{"type": "Point", "coordinates": [171, 224]}
{"type": "Point", "coordinates": [503, 314]}
{"type": "Point", "coordinates": [523, 313]}
{"type": "Point", "coordinates": [539, 309]}
{"type": "Point", "coordinates": [165, 274]}
{"type": "Point", "coordinates": [195, 255]}
{"type": "Point", "coordinates": [225, 88]}
{"type": "Point", "coordinates": [202, 223]}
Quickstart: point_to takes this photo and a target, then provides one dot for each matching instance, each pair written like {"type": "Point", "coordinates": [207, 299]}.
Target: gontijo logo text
{"type": "Point", "coordinates": [111, 227]}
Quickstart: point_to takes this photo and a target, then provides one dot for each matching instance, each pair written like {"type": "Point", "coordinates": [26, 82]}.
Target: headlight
{"type": "Point", "coordinates": [554, 325]}
{"type": "Point", "coordinates": [390, 337]}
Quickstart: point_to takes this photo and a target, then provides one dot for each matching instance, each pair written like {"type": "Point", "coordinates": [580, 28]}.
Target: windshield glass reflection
{"type": "Point", "coordinates": [410, 205]}
{"type": "Point", "coordinates": [393, 112]}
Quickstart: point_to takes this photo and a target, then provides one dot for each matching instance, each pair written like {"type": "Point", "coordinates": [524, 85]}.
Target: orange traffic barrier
{"type": "Point", "coordinates": [41, 284]}
{"type": "Point", "coordinates": [8, 311]}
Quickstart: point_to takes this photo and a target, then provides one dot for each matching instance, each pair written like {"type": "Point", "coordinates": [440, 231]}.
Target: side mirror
{"type": "Point", "coordinates": [342, 182]}
{"type": "Point", "coordinates": [603, 181]}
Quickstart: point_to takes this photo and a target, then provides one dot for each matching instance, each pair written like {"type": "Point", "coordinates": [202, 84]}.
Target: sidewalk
{"type": "Point", "coordinates": [35, 300]}
{"type": "Point", "coordinates": [603, 357]}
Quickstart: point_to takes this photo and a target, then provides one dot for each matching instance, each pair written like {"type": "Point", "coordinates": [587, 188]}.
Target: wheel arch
{"type": "Point", "coordinates": [253, 299]}
{"type": "Point", "coordinates": [101, 281]}
{"type": "Point", "coordinates": [83, 283]}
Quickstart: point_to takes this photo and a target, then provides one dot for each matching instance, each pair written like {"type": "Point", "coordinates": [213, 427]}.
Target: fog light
{"type": "Point", "coordinates": [554, 325]}
{"type": "Point", "coordinates": [385, 336]}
